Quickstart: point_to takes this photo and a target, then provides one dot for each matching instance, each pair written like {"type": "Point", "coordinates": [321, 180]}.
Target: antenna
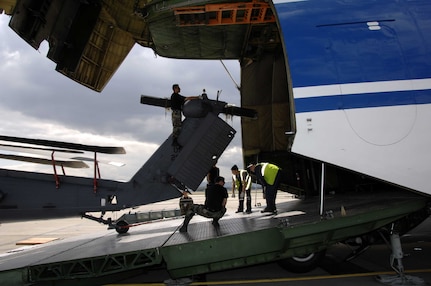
{"type": "Point", "coordinates": [218, 93]}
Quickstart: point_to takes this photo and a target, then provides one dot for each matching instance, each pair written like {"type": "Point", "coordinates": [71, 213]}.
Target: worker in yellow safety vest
{"type": "Point", "coordinates": [268, 175]}
{"type": "Point", "coordinates": [241, 180]}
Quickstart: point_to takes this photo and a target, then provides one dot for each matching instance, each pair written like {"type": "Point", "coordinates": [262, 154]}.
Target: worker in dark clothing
{"type": "Point", "coordinates": [177, 102]}
{"type": "Point", "coordinates": [269, 176]}
{"type": "Point", "coordinates": [214, 207]}
{"type": "Point", "coordinates": [213, 173]}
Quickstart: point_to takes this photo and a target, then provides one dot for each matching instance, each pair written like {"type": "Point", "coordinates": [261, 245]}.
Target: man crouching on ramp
{"type": "Point", "coordinates": [214, 207]}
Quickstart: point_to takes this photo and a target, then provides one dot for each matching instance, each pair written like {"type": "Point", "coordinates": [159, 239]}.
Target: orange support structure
{"type": "Point", "coordinates": [254, 12]}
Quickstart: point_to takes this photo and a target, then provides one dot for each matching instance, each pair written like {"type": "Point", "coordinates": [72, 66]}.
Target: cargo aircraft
{"type": "Point", "coordinates": [341, 89]}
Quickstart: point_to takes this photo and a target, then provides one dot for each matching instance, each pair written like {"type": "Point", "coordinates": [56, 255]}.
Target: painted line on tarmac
{"type": "Point", "coordinates": [280, 280]}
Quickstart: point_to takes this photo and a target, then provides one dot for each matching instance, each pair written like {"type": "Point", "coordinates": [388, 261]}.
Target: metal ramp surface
{"type": "Point", "coordinates": [298, 229]}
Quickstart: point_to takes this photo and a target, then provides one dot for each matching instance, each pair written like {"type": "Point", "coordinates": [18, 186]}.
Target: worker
{"type": "Point", "coordinates": [177, 102]}
{"type": "Point", "coordinates": [269, 176]}
{"type": "Point", "coordinates": [241, 180]}
{"type": "Point", "coordinates": [212, 174]}
{"type": "Point", "coordinates": [214, 207]}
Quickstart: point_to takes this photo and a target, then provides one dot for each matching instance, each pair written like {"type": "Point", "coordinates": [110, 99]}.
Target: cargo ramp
{"type": "Point", "coordinates": [241, 240]}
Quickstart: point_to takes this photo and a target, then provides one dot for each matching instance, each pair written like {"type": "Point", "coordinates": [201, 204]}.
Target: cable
{"type": "Point", "coordinates": [237, 86]}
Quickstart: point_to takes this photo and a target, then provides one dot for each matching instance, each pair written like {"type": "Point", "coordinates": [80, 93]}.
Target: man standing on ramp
{"type": "Point", "coordinates": [269, 176]}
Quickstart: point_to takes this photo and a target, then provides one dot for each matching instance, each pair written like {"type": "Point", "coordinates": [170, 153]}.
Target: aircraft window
{"type": "Point", "coordinates": [373, 26]}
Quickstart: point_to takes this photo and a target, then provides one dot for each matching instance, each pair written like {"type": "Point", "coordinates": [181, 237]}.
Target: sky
{"type": "Point", "coordinates": [38, 102]}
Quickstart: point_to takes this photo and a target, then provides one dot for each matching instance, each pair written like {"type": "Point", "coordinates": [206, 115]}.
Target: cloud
{"type": "Point", "coordinates": [38, 102]}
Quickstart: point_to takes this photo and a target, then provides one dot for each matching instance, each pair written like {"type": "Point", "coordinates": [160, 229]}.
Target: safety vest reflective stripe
{"type": "Point", "coordinates": [246, 177]}
{"type": "Point", "coordinates": [237, 183]}
{"type": "Point", "coordinates": [269, 172]}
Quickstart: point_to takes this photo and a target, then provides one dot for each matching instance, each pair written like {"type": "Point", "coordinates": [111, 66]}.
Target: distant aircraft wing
{"type": "Point", "coordinates": [70, 164]}
{"type": "Point", "coordinates": [116, 164]}
{"type": "Point", "coordinates": [36, 150]}
{"type": "Point", "coordinates": [59, 144]}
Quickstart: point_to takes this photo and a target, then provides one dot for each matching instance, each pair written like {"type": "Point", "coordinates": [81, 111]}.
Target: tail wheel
{"type": "Point", "coordinates": [121, 227]}
{"type": "Point", "coordinates": [302, 264]}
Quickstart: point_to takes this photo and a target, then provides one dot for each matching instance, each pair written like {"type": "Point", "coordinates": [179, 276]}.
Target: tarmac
{"type": "Point", "coordinates": [372, 267]}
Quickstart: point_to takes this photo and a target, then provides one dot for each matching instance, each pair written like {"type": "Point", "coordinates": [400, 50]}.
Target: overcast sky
{"type": "Point", "coordinates": [38, 102]}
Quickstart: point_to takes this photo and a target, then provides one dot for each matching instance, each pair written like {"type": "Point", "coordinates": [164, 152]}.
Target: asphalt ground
{"type": "Point", "coordinates": [372, 267]}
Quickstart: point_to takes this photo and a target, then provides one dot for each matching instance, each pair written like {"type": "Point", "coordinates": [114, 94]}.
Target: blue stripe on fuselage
{"type": "Point", "coordinates": [350, 101]}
